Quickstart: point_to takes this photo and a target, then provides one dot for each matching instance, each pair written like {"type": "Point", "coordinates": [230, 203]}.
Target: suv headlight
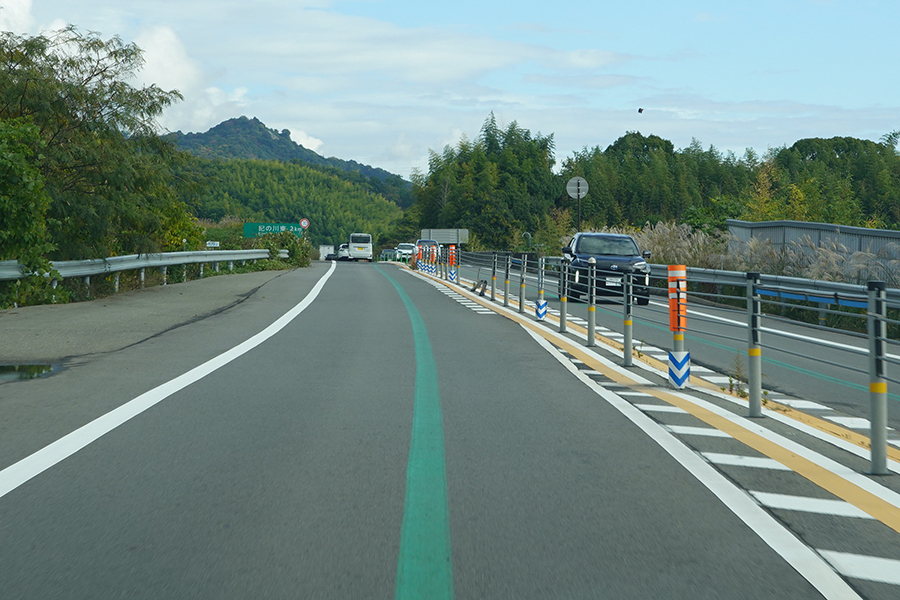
{"type": "Point", "coordinates": [642, 266]}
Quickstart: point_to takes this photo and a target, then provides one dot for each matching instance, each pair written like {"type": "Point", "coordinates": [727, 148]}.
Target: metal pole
{"type": "Point", "coordinates": [877, 383]}
{"type": "Point", "coordinates": [522, 264]}
{"type": "Point", "coordinates": [506, 281]}
{"type": "Point", "coordinates": [754, 351]}
{"type": "Point", "coordinates": [627, 342]}
{"type": "Point", "coordinates": [540, 309]}
{"type": "Point", "coordinates": [563, 286]}
{"type": "Point", "coordinates": [494, 278]}
{"type": "Point", "coordinates": [592, 309]}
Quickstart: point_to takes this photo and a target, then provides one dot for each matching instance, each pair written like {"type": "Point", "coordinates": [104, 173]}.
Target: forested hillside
{"type": "Point", "coordinates": [502, 185]}
{"type": "Point", "coordinates": [273, 191]}
{"type": "Point", "coordinates": [244, 138]}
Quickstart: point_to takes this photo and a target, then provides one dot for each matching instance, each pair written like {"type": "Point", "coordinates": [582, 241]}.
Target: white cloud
{"type": "Point", "coordinates": [305, 140]}
{"type": "Point", "coordinates": [15, 16]}
{"type": "Point", "coordinates": [167, 63]}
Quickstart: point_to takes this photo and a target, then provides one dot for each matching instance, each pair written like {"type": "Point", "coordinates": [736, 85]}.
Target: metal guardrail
{"type": "Point", "coordinates": [11, 270]}
{"type": "Point", "coordinates": [752, 299]}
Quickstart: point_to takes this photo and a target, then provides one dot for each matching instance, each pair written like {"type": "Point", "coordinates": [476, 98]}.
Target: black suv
{"type": "Point", "coordinates": [615, 254]}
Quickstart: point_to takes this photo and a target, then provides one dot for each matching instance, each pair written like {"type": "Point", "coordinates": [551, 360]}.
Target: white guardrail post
{"type": "Point", "coordinates": [523, 263]}
{"type": "Point", "coordinates": [754, 351]}
{"type": "Point", "coordinates": [540, 309]}
{"type": "Point", "coordinates": [494, 277]}
{"type": "Point", "coordinates": [592, 308]}
{"type": "Point", "coordinates": [506, 281]}
{"type": "Point", "coordinates": [628, 327]}
{"type": "Point", "coordinates": [563, 301]}
{"type": "Point", "coordinates": [877, 384]}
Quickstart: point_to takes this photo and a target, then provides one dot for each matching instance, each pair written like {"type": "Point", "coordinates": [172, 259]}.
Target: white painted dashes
{"type": "Point", "coordinates": [868, 568]}
{"type": "Point", "coordinates": [661, 408]}
{"type": "Point", "coordinates": [737, 460]}
{"type": "Point", "coordinates": [819, 506]}
{"type": "Point", "coordinates": [850, 422]}
{"type": "Point", "coordinates": [698, 431]}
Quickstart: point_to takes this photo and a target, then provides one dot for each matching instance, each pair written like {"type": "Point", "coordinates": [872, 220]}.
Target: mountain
{"type": "Point", "coordinates": [244, 138]}
{"type": "Point", "coordinates": [250, 139]}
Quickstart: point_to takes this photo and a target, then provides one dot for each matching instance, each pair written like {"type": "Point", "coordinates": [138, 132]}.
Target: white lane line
{"type": "Point", "coordinates": [16, 474]}
{"type": "Point", "coordinates": [810, 565]}
{"type": "Point", "coordinates": [737, 460]}
{"type": "Point", "coordinates": [869, 568]}
{"type": "Point", "coordinates": [662, 408]}
{"type": "Point", "coordinates": [717, 378]}
{"type": "Point", "coordinates": [819, 506]}
{"type": "Point", "coordinates": [641, 394]}
{"type": "Point", "coordinates": [700, 431]}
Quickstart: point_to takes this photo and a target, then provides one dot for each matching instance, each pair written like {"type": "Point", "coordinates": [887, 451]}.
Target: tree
{"type": "Point", "coordinates": [497, 187]}
{"type": "Point", "coordinates": [106, 171]}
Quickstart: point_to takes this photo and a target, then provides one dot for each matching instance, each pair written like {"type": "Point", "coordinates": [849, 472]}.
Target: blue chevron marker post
{"type": "Point", "coordinates": [540, 309]}
{"type": "Point", "coordinates": [679, 369]}
{"type": "Point", "coordinates": [453, 275]}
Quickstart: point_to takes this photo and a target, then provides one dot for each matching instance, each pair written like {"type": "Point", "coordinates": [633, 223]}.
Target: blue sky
{"type": "Point", "coordinates": [384, 82]}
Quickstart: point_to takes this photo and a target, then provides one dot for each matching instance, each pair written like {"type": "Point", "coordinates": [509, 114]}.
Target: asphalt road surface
{"type": "Point", "coordinates": [342, 431]}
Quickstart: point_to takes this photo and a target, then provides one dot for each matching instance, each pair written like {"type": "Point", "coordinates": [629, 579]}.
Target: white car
{"type": "Point", "coordinates": [406, 250]}
{"type": "Point", "coordinates": [344, 252]}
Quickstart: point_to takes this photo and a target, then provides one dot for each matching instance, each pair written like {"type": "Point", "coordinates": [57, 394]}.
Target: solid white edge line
{"type": "Point", "coordinates": [824, 436]}
{"type": "Point", "coordinates": [803, 559]}
{"type": "Point", "coordinates": [20, 472]}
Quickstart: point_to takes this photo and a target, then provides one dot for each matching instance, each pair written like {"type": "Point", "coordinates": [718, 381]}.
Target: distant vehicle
{"type": "Point", "coordinates": [390, 254]}
{"type": "Point", "coordinates": [332, 256]}
{"type": "Point", "coordinates": [406, 250]}
{"type": "Point", "coordinates": [361, 246]}
{"type": "Point", "coordinates": [614, 254]}
{"type": "Point", "coordinates": [325, 251]}
{"type": "Point", "coordinates": [344, 252]}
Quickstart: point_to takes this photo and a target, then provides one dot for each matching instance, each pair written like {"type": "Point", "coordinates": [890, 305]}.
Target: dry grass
{"type": "Point", "coordinates": [673, 243]}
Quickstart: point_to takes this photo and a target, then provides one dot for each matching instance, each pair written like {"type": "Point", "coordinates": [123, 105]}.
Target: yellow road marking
{"type": "Point", "coordinates": [871, 504]}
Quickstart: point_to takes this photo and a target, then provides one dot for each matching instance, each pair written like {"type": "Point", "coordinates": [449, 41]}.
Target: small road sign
{"type": "Point", "coordinates": [577, 188]}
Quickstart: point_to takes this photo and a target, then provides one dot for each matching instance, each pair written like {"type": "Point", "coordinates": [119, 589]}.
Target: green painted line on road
{"type": "Point", "coordinates": [424, 569]}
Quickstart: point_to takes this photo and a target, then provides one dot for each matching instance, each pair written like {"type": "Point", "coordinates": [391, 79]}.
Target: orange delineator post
{"type": "Point", "coordinates": [679, 359]}
{"type": "Point", "coordinates": [677, 298]}
{"type": "Point", "coordinates": [452, 271]}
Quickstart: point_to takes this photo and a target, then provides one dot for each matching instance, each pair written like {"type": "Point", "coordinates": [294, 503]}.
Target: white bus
{"type": "Point", "coordinates": [360, 246]}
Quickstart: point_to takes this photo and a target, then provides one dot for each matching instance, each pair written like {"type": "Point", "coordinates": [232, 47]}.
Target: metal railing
{"type": "Point", "coordinates": [11, 270]}
{"type": "Point", "coordinates": [756, 308]}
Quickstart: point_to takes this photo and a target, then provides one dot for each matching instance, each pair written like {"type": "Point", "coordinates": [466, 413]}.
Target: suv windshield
{"type": "Point", "coordinates": [607, 245]}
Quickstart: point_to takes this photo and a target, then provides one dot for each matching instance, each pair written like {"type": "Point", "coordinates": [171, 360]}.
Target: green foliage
{"type": "Point", "coordinates": [23, 208]}
{"type": "Point", "coordinates": [639, 179]}
{"type": "Point", "coordinates": [107, 174]}
{"type": "Point", "coordinates": [300, 250]}
{"type": "Point", "coordinates": [277, 192]}
{"type": "Point", "coordinates": [498, 187]}
{"type": "Point", "coordinates": [250, 139]}
{"type": "Point", "coordinates": [23, 201]}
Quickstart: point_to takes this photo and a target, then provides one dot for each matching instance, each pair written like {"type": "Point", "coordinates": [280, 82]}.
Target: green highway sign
{"type": "Point", "coordinates": [252, 230]}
